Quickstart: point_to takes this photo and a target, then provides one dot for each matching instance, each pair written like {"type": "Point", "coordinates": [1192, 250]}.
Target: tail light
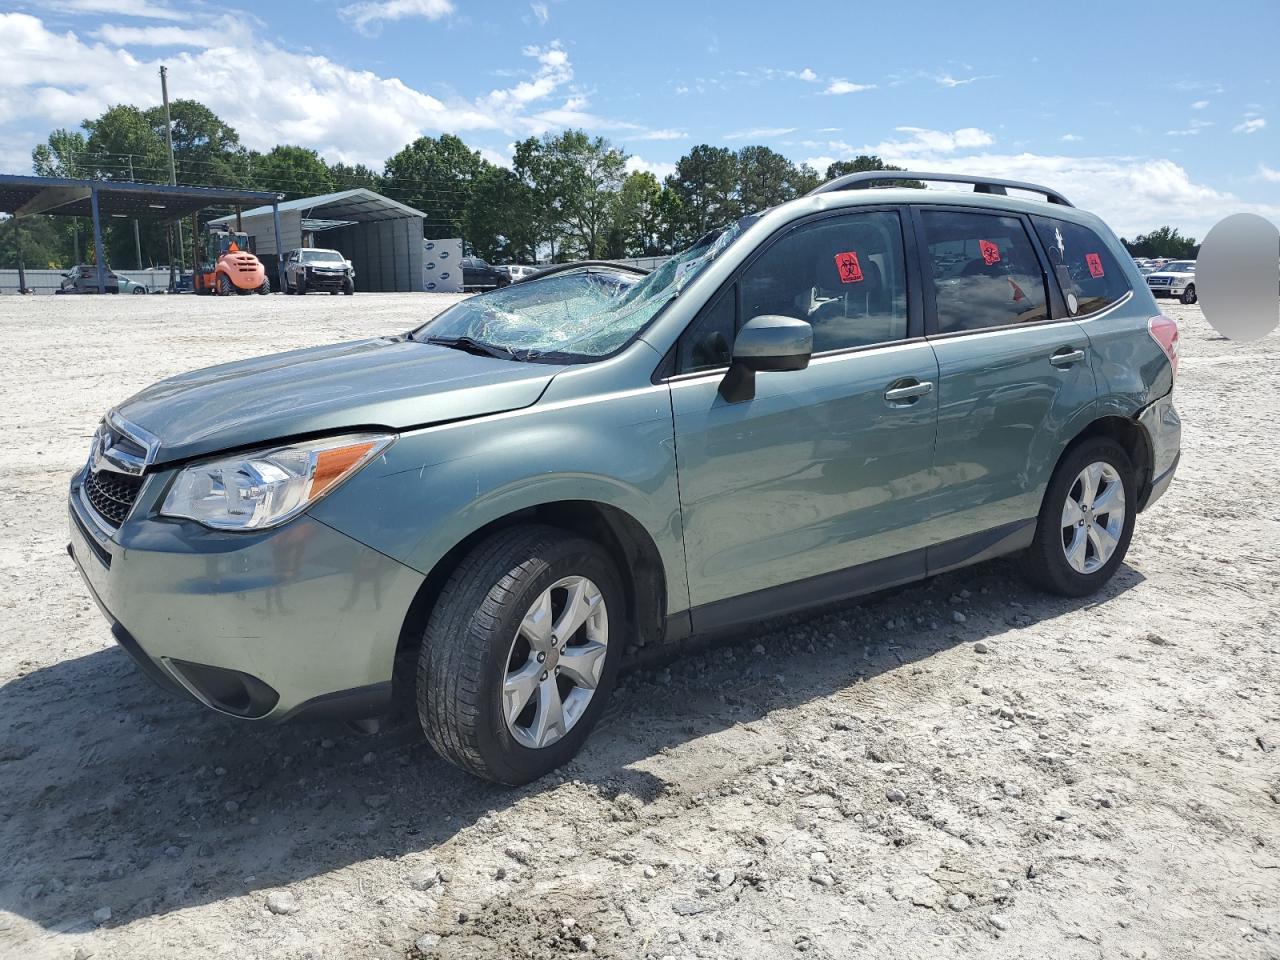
{"type": "Point", "coordinates": [1164, 331]}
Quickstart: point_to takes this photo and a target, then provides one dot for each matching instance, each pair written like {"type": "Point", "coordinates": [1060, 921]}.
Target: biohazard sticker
{"type": "Point", "coordinates": [850, 269]}
{"type": "Point", "coordinates": [1095, 264]}
{"type": "Point", "coordinates": [990, 252]}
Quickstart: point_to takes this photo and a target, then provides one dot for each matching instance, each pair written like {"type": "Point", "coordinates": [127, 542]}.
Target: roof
{"type": "Point", "coordinates": [23, 196]}
{"type": "Point", "coordinates": [353, 205]}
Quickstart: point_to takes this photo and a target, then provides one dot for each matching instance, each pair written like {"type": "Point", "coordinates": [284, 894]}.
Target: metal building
{"type": "Point", "coordinates": [381, 237]}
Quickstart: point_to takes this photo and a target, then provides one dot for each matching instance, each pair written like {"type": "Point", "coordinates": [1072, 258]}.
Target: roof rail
{"type": "Point", "coordinates": [855, 181]}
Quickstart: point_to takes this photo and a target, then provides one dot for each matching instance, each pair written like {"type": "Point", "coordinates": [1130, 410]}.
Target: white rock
{"type": "Point", "coordinates": [427, 943]}
{"type": "Point", "coordinates": [958, 902]}
{"type": "Point", "coordinates": [282, 903]}
{"type": "Point", "coordinates": [999, 921]}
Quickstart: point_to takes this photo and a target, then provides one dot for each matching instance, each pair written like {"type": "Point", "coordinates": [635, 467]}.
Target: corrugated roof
{"type": "Point", "coordinates": [358, 204]}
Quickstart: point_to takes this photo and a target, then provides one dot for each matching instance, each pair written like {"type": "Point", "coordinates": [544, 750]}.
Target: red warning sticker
{"type": "Point", "coordinates": [850, 269]}
{"type": "Point", "coordinates": [990, 252]}
{"type": "Point", "coordinates": [1095, 264]}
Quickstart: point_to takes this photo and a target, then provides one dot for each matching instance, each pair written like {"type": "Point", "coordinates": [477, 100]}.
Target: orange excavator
{"type": "Point", "coordinates": [225, 265]}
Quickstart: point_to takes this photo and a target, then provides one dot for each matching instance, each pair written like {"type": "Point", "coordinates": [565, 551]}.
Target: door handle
{"type": "Point", "coordinates": [909, 391]}
{"type": "Point", "coordinates": [1066, 357]}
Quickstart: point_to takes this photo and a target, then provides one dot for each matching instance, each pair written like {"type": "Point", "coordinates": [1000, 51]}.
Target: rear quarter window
{"type": "Point", "coordinates": [1090, 277]}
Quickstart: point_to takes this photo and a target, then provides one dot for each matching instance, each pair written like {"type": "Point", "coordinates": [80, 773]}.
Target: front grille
{"type": "Point", "coordinates": [111, 494]}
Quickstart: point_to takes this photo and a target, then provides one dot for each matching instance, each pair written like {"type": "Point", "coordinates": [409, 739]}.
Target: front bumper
{"type": "Point", "coordinates": [326, 281]}
{"type": "Point", "coordinates": [257, 626]}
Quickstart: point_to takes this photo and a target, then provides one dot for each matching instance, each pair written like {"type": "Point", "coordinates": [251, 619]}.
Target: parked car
{"type": "Point", "coordinates": [514, 271]}
{"type": "Point", "coordinates": [131, 286]}
{"type": "Point", "coordinates": [849, 391]}
{"type": "Point", "coordinates": [1177, 278]}
{"type": "Point", "coordinates": [478, 275]}
{"type": "Point", "coordinates": [309, 269]}
{"type": "Point", "coordinates": [84, 279]}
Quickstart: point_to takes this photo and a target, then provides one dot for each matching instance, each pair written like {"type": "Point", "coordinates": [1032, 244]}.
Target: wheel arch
{"type": "Point", "coordinates": [633, 550]}
{"type": "Point", "coordinates": [1132, 436]}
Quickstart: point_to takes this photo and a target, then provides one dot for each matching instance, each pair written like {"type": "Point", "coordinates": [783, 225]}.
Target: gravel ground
{"type": "Point", "coordinates": [961, 768]}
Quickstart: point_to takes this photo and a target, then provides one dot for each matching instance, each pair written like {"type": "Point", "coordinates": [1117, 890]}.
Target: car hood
{"type": "Point", "coordinates": [389, 382]}
{"type": "Point", "coordinates": [1175, 274]}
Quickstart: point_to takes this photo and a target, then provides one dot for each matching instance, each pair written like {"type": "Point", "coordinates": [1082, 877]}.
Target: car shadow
{"type": "Point", "coordinates": [117, 795]}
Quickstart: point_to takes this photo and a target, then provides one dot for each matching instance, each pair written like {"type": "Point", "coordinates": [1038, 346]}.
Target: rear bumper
{"type": "Point", "coordinates": [1163, 428]}
{"type": "Point", "coordinates": [300, 620]}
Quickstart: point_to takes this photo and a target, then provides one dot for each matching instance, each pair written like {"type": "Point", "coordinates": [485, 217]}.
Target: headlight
{"type": "Point", "coordinates": [265, 488]}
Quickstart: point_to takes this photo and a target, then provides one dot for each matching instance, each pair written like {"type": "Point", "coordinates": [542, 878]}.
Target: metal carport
{"type": "Point", "coordinates": [381, 237]}
{"type": "Point", "coordinates": [25, 196]}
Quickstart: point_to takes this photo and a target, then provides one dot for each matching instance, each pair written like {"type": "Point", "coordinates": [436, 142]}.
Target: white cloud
{"type": "Point", "coordinates": [268, 94]}
{"type": "Point", "coordinates": [374, 12]}
{"type": "Point", "coordinates": [1071, 138]}
{"type": "Point", "coordinates": [1132, 194]}
{"type": "Point", "coordinates": [1199, 104]}
{"type": "Point", "coordinates": [1191, 130]}
{"type": "Point", "coordinates": [659, 170]}
{"type": "Point", "coordinates": [1252, 125]}
{"type": "Point", "coordinates": [1267, 174]}
{"type": "Point", "coordinates": [947, 80]}
{"type": "Point", "coordinates": [122, 36]}
{"type": "Point", "coordinates": [121, 8]}
{"type": "Point", "coordinates": [760, 133]}
{"type": "Point", "coordinates": [838, 87]}
{"type": "Point", "coordinates": [807, 75]}
{"type": "Point", "coordinates": [541, 12]}
{"type": "Point", "coordinates": [660, 135]}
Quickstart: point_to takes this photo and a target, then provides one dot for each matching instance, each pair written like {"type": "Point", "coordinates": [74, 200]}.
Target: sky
{"type": "Point", "coordinates": [1145, 114]}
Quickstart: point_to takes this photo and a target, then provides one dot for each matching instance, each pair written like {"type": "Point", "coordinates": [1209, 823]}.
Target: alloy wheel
{"type": "Point", "coordinates": [555, 662]}
{"type": "Point", "coordinates": [1093, 517]}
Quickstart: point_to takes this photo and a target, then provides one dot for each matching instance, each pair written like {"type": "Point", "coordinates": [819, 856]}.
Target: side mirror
{"type": "Point", "coordinates": [765, 343]}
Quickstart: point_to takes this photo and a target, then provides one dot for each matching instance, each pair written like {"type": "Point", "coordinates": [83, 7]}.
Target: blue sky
{"type": "Point", "coordinates": [1146, 116]}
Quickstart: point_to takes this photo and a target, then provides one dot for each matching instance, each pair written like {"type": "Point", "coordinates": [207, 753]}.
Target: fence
{"type": "Point", "coordinates": [47, 281]}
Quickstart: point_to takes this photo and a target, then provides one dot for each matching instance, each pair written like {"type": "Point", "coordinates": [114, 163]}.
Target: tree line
{"type": "Point", "coordinates": [565, 196]}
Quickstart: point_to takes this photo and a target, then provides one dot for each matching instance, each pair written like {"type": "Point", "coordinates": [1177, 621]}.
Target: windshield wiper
{"type": "Point", "coordinates": [477, 347]}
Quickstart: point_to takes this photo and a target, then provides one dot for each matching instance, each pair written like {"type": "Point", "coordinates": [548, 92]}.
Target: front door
{"type": "Point", "coordinates": [825, 468]}
{"type": "Point", "coordinates": [1015, 384]}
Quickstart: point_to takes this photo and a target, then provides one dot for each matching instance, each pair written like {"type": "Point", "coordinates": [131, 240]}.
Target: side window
{"type": "Point", "coordinates": [1089, 275]}
{"type": "Point", "coordinates": [985, 271]}
{"type": "Point", "coordinates": [708, 343]}
{"type": "Point", "coordinates": [845, 275]}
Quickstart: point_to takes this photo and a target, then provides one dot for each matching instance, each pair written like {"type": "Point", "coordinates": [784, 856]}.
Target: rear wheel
{"type": "Point", "coordinates": [265, 288]}
{"type": "Point", "coordinates": [1189, 294]}
{"type": "Point", "coordinates": [1086, 521]}
{"type": "Point", "coordinates": [225, 287]}
{"type": "Point", "coordinates": [520, 653]}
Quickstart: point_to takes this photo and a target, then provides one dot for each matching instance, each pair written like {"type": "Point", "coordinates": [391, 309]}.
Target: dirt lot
{"type": "Point", "coordinates": [964, 768]}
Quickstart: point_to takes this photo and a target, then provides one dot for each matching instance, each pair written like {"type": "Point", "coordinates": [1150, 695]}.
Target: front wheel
{"type": "Point", "coordinates": [520, 653]}
{"type": "Point", "coordinates": [141, 290]}
{"type": "Point", "coordinates": [1189, 294]}
{"type": "Point", "coordinates": [348, 287]}
{"type": "Point", "coordinates": [1086, 521]}
{"type": "Point", "coordinates": [225, 287]}
{"type": "Point", "coordinates": [265, 288]}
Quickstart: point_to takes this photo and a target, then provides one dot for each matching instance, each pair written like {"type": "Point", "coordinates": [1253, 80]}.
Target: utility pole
{"type": "Point", "coordinates": [173, 170]}
{"type": "Point", "coordinates": [137, 243]}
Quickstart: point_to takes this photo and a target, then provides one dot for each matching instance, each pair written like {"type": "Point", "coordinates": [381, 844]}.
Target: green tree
{"type": "Point", "coordinates": [866, 162]}
{"type": "Point", "coordinates": [575, 181]}
{"type": "Point", "coordinates": [206, 150]}
{"type": "Point", "coordinates": [61, 155]}
{"type": "Point", "coordinates": [124, 145]}
{"type": "Point", "coordinates": [765, 179]}
{"type": "Point", "coordinates": [706, 181]}
{"type": "Point", "coordinates": [436, 176]}
{"type": "Point", "coordinates": [350, 176]}
{"type": "Point", "coordinates": [638, 216]}
{"type": "Point", "coordinates": [671, 221]}
{"type": "Point", "coordinates": [1162, 242]}
{"type": "Point", "coordinates": [500, 222]}
{"type": "Point", "coordinates": [44, 245]}
{"type": "Point", "coordinates": [293, 171]}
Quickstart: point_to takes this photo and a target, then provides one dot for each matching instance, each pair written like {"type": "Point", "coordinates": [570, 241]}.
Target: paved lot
{"type": "Point", "coordinates": [1102, 782]}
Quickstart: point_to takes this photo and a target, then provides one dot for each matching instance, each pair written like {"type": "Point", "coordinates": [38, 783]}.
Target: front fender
{"type": "Point", "coordinates": [437, 486]}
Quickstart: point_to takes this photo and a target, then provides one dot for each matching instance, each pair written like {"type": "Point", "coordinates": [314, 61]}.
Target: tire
{"type": "Point", "coordinates": [141, 290]}
{"type": "Point", "coordinates": [1189, 294]}
{"type": "Point", "coordinates": [265, 288]}
{"type": "Point", "coordinates": [348, 288]}
{"type": "Point", "coordinates": [1047, 564]}
{"type": "Point", "coordinates": [333, 293]}
{"type": "Point", "coordinates": [474, 636]}
{"type": "Point", "coordinates": [224, 285]}
{"type": "Point", "coordinates": [300, 288]}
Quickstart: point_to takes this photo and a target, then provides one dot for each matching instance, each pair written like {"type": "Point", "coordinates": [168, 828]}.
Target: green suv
{"type": "Point", "coordinates": [852, 390]}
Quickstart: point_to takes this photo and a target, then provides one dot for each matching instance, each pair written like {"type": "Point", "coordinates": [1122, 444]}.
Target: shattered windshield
{"type": "Point", "coordinates": [582, 314]}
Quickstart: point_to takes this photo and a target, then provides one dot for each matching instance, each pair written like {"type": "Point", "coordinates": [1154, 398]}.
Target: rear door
{"type": "Point", "coordinates": [1015, 380]}
{"type": "Point", "coordinates": [824, 469]}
